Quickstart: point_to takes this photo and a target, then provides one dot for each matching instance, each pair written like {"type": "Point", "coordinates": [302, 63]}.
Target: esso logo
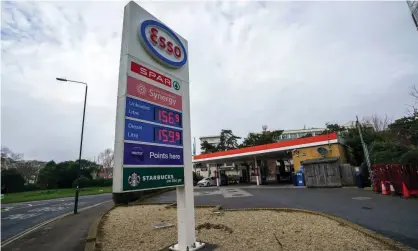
{"type": "Point", "coordinates": [162, 44]}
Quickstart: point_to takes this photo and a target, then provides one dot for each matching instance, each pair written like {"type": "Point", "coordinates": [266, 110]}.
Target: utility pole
{"type": "Point", "coordinates": [365, 150]}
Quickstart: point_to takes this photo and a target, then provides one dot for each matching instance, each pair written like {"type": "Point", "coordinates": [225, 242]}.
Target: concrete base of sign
{"type": "Point", "coordinates": [197, 245]}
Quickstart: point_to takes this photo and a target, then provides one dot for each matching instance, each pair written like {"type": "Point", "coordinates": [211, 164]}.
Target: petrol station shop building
{"type": "Point", "coordinates": [270, 163]}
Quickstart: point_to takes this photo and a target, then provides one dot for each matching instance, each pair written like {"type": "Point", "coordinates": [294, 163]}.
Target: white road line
{"type": "Point", "coordinates": [234, 192]}
{"type": "Point", "coordinates": [30, 230]}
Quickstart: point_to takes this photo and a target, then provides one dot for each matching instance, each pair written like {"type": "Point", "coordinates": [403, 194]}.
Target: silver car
{"type": "Point", "coordinates": [207, 182]}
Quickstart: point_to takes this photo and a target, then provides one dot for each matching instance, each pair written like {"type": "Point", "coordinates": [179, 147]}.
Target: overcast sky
{"type": "Point", "coordinates": [283, 64]}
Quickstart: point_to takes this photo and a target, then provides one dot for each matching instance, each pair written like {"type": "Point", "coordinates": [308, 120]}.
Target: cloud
{"type": "Point", "coordinates": [284, 64]}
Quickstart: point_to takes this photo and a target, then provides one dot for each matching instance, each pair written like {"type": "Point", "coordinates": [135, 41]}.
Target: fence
{"type": "Point", "coordinates": [322, 173]}
{"type": "Point", "coordinates": [400, 177]}
{"type": "Point", "coordinates": [348, 174]}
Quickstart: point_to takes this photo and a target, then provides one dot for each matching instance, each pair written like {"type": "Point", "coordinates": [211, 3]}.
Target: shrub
{"type": "Point", "coordinates": [82, 182]}
{"type": "Point", "coordinates": [410, 157]}
{"type": "Point", "coordinates": [12, 181]}
{"type": "Point", "coordinates": [386, 152]}
{"type": "Point", "coordinates": [32, 187]}
{"type": "Point", "coordinates": [101, 182]}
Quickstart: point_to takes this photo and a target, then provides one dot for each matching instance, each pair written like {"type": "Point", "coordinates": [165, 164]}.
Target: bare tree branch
{"type": "Point", "coordinates": [414, 92]}
{"type": "Point", "coordinates": [106, 159]}
{"type": "Point", "coordinates": [379, 124]}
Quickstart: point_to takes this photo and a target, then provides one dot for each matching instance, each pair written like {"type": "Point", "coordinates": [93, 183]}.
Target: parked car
{"type": "Point", "coordinates": [207, 182]}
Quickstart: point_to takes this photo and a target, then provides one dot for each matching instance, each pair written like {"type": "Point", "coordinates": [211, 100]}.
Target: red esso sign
{"type": "Point", "coordinates": [162, 44]}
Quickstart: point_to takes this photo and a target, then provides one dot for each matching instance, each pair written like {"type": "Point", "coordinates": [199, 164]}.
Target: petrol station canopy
{"type": "Point", "coordinates": [267, 151]}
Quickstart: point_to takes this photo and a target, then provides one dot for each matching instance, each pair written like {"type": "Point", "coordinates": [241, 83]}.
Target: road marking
{"type": "Point", "coordinates": [30, 230]}
{"type": "Point", "coordinates": [234, 193]}
{"type": "Point", "coordinates": [20, 216]}
{"type": "Point", "coordinates": [209, 192]}
{"type": "Point", "coordinates": [361, 198]}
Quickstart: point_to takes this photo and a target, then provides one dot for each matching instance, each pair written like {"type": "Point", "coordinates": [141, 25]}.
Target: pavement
{"type": "Point", "coordinates": [393, 217]}
{"type": "Point", "coordinates": [18, 217]}
{"type": "Point", "coordinates": [66, 234]}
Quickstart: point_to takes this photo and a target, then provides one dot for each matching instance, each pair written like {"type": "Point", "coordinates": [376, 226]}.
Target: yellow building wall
{"type": "Point", "coordinates": [334, 150]}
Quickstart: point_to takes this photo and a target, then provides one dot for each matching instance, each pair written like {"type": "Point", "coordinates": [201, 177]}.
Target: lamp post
{"type": "Point", "coordinates": [81, 142]}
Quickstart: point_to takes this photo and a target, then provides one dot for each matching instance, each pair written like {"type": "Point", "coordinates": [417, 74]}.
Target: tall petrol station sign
{"type": "Point", "coordinates": [152, 136]}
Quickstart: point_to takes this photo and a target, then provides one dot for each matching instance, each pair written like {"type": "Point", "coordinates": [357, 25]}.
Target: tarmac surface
{"type": "Point", "coordinates": [17, 217]}
{"type": "Point", "coordinates": [66, 234]}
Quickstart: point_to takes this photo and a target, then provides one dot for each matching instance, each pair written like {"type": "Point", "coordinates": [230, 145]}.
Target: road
{"type": "Point", "coordinates": [17, 217]}
{"type": "Point", "coordinates": [393, 217]}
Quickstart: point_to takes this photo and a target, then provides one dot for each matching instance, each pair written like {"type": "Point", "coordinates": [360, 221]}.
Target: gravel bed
{"type": "Point", "coordinates": [130, 228]}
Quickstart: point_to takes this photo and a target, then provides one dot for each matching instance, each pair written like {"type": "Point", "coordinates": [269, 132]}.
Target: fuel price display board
{"type": "Point", "coordinates": [146, 132]}
{"type": "Point", "coordinates": [142, 110]}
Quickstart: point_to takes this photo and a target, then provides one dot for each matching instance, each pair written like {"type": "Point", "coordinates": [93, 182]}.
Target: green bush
{"type": "Point", "coordinates": [82, 182]}
{"type": "Point", "coordinates": [32, 187]}
{"type": "Point", "coordinates": [12, 181]}
{"type": "Point", "coordinates": [410, 157]}
{"type": "Point", "coordinates": [108, 182]}
{"type": "Point", "coordinates": [387, 152]}
{"type": "Point", "coordinates": [101, 182]}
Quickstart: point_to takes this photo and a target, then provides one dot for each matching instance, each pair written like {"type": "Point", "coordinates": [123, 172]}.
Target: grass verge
{"type": "Point", "coordinates": [52, 194]}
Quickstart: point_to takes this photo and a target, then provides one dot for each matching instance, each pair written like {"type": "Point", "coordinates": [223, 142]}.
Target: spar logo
{"type": "Point", "coordinates": [162, 44]}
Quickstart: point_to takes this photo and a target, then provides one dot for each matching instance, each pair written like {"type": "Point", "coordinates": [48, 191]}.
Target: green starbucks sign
{"type": "Point", "coordinates": [152, 178]}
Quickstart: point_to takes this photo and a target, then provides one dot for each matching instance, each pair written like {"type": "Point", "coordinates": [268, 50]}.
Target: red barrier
{"type": "Point", "coordinates": [403, 178]}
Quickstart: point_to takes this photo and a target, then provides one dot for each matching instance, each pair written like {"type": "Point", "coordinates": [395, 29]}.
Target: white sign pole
{"type": "Point", "coordinates": [153, 111]}
{"type": "Point", "coordinates": [185, 196]}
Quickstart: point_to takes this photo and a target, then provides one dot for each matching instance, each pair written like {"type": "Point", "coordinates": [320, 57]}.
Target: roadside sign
{"type": "Point", "coordinates": [152, 135]}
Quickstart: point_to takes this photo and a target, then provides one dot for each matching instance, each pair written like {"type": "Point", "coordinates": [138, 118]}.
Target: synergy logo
{"type": "Point", "coordinates": [137, 153]}
{"type": "Point", "coordinates": [162, 44]}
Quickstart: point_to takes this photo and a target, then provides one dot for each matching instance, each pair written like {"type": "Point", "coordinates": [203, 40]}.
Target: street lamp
{"type": "Point", "coordinates": [81, 142]}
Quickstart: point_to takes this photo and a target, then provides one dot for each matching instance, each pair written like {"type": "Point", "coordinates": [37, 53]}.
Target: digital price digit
{"type": "Point", "coordinates": [167, 117]}
{"type": "Point", "coordinates": [169, 136]}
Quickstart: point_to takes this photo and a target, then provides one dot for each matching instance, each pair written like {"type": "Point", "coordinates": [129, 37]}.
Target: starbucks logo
{"type": "Point", "coordinates": [134, 179]}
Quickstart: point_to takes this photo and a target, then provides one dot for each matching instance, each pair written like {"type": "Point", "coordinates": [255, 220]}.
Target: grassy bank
{"type": "Point", "coordinates": [52, 194]}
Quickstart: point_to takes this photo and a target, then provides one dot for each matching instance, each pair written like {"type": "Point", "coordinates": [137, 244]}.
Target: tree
{"type": "Point", "coordinates": [28, 169]}
{"type": "Point", "coordinates": [48, 176]}
{"type": "Point", "coordinates": [405, 130]}
{"type": "Point", "coordinates": [382, 152]}
{"type": "Point", "coordinates": [264, 137]}
{"type": "Point", "coordinates": [414, 92]}
{"type": "Point", "coordinates": [410, 157]}
{"type": "Point", "coordinates": [63, 174]}
{"type": "Point", "coordinates": [12, 181]}
{"type": "Point", "coordinates": [330, 128]}
{"type": "Point", "coordinates": [379, 124]}
{"type": "Point", "coordinates": [205, 147]}
{"type": "Point", "coordinates": [106, 159]}
{"type": "Point", "coordinates": [228, 140]}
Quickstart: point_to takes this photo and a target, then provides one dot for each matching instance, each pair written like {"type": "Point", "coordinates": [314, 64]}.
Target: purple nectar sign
{"type": "Point", "coordinates": [143, 155]}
